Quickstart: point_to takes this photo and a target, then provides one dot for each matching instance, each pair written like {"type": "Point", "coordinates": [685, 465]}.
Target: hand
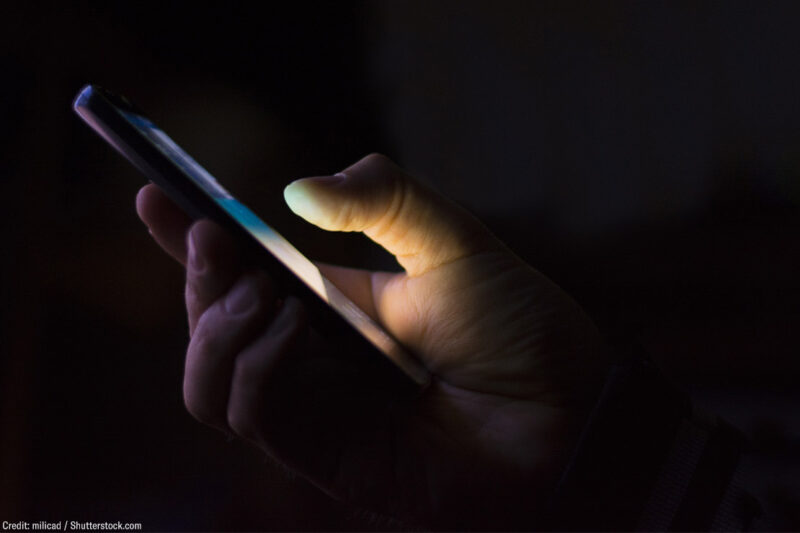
{"type": "Point", "coordinates": [515, 361]}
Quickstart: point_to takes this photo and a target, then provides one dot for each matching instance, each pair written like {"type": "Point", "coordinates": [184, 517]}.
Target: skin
{"type": "Point", "coordinates": [515, 362]}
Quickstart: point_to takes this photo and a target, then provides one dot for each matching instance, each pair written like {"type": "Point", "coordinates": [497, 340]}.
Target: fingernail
{"type": "Point", "coordinates": [195, 260]}
{"type": "Point", "coordinates": [299, 200]}
{"type": "Point", "coordinates": [241, 298]}
{"type": "Point", "coordinates": [303, 198]}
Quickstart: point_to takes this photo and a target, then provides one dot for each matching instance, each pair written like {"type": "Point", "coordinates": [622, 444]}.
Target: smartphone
{"type": "Point", "coordinates": [332, 315]}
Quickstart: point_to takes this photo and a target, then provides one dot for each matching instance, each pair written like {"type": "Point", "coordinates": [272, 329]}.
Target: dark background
{"type": "Point", "coordinates": [646, 156]}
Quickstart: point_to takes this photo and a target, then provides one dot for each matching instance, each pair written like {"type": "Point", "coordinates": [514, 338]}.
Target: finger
{"type": "Point", "coordinates": [222, 332]}
{"type": "Point", "coordinates": [254, 367]}
{"type": "Point", "coordinates": [166, 221]}
{"type": "Point", "coordinates": [212, 265]}
{"type": "Point", "coordinates": [420, 227]}
{"type": "Point", "coordinates": [310, 408]}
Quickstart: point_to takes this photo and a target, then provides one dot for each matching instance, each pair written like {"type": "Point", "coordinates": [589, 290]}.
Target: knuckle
{"type": "Point", "coordinates": [213, 329]}
{"type": "Point", "coordinates": [204, 342]}
{"type": "Point", "coordinates": [394, 209]}
{"type": "Point", "coordinates": [244, 408]}
{"type": "Point", "coordinates": [377, 158]}
{"type": "Point", "coordinates": [242, 420]}
{"type": "Point", "coordinates": [194, 287]}
{"type": "Point", "coordinates": [199, 409]}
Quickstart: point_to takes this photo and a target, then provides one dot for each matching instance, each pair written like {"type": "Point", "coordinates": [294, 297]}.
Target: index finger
{"type": "Point", "coordinates": [168, 224]}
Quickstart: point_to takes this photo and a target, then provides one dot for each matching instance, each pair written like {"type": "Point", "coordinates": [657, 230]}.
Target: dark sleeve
{"type": "Point", "coordinates": [648, 461]}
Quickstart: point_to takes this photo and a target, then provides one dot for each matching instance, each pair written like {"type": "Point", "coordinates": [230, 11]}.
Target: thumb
{"type": "Point", "coordinates": [422, 229]}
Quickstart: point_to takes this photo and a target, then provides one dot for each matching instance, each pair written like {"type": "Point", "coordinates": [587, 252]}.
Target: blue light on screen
{"type": "Point", "coordinates": [282, 249]}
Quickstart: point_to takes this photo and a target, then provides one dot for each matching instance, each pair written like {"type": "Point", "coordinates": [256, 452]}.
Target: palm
{"type": "Point", "coordinates": [504, 383]}
{"type": "Point", "coordinates": [489, 323]}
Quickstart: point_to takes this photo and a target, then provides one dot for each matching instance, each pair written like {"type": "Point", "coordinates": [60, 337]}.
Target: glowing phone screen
{"type": "Point", "coordinates": [279, 247]}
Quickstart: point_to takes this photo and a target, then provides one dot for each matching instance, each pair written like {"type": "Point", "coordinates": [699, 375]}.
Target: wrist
{"type": "Point", "coordinates": [646, 460]}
